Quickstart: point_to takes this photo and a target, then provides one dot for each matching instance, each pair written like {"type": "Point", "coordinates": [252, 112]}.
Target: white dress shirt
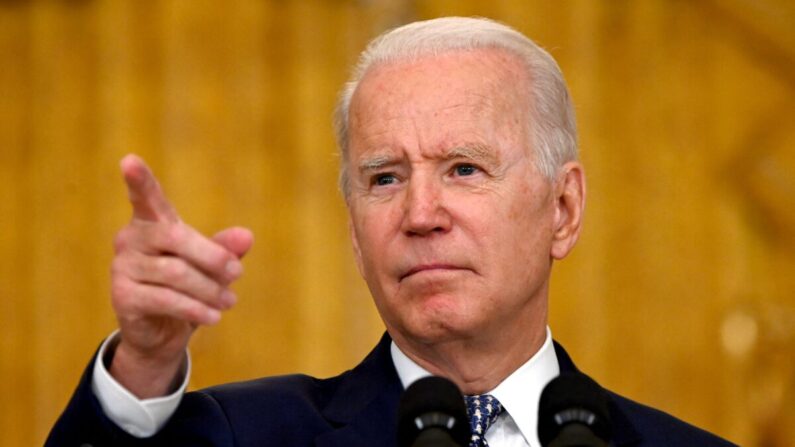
{"type": "Point", "coordinates": [519, 394]}
{"type": "Point", "coordinates": [139, 417]}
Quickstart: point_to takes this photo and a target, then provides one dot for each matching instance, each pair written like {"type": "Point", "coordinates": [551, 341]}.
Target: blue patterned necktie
{"type": "Point", "coordinates": [483, 410]}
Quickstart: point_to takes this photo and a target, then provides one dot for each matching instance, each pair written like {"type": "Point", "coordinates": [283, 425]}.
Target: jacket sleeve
{"type": "Point", "coordinates": [83, 421]}
{"type": "Point", "coordinates": [198, 421]}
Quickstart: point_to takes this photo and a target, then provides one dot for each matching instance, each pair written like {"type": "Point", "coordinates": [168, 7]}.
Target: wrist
{"type": "Point", "coordinates": [145, 376]}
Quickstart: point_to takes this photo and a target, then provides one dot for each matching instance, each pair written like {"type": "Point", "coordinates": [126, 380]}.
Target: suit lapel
{"type": "Point", "coordinates": [363, 407]}
{"type": "Point", "coordinates": [364, 404]}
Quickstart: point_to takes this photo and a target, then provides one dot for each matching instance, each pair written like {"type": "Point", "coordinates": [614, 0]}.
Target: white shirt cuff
{"type": "Point", "coordinates": [139, 417]}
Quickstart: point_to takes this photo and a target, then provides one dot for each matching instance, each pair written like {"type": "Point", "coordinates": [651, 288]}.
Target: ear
{"type": "Point", "coordinates": [357, 252]}
{"type": "Point", "coordinates": [569, 207]}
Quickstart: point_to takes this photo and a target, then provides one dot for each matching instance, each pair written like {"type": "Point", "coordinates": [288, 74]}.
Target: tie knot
{"type": "Point", "coordinates": [483, 410]}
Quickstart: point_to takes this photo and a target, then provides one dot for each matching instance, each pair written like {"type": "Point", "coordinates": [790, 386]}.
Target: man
{"type": "Point", "coordinates": [460, 173]}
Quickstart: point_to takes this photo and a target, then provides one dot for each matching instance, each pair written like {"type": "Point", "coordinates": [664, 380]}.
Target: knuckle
{"type": "Point", "coordinates": [173, 236]}
{"type": "Point", "coordinates": [121, 240]}
{"type": "Point", "coordinates": [173, 270]}
{"type": "Point", "coordinates": [121, 292]}
{"type": "Point", "coordinates": [165, 299]}
{"type": "Point", "coordinates": [163, 302]}
{"type": "Point", "coordinates": [117, 267]}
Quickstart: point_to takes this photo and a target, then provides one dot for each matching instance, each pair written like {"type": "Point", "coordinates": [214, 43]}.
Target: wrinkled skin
{"type": "Point", "coordinates": [454, 228]}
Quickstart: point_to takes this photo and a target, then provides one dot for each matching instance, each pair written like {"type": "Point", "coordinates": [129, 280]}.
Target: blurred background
{"type": "Point", "coordinates": [681, 293]}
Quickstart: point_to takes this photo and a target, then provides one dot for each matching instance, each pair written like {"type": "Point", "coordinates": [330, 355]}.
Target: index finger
{"type": "Point", "coordinates": [143, 190]}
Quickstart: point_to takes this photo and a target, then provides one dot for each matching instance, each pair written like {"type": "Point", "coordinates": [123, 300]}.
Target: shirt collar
{"type": "Point", "coordinates": [519, 393]}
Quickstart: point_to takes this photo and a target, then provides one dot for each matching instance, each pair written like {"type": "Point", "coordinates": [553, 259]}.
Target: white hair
{"type": "Point", "coordinates": [553, 126]}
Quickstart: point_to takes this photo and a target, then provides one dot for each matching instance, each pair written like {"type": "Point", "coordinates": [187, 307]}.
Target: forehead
{"type": "Point", "coordinates": [440, 97]}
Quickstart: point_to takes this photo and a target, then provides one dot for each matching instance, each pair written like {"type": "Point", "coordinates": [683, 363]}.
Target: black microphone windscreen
{"type": "Point", "coordinates": [573, 398]}
{"type": "Point", "coordinates": [432, 403]}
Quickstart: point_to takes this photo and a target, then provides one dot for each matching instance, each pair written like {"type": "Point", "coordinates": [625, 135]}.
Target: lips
{"type": "Point", "coordinates": [430, 267]}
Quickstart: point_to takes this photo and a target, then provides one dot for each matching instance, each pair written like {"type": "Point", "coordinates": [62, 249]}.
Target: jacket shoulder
{"type": "Point", "coordinates": [655, 427]}
{"type": "Point", "coordinates": [257, 411]}
{"type": "Point", "coordinates": [294, 390]}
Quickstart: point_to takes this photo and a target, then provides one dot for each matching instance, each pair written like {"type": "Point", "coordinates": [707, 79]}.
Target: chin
{"type": "Point", "coordinates": [437, 327]}
{"type": "Point", "coordinates": [430, 318]}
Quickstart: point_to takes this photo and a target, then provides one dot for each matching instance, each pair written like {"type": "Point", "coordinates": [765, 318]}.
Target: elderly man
{"type": "Point", "coordinates": [460, 173]}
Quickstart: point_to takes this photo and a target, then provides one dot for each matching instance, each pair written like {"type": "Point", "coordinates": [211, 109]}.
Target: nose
{"type": "Point", "coordinates": [425, 210]}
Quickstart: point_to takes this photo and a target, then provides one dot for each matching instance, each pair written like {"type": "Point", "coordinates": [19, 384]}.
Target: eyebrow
{"type": "Point", "coordinates": [376, 162]}
{"type": "Point", "coordinates": [475, 152]}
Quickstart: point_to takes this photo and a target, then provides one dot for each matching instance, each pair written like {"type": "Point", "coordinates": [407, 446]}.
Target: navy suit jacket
{"type": "Point", "coordinates": [354, 409]}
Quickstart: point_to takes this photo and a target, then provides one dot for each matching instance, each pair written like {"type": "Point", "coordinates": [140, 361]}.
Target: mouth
{"type": "Point", "coordinates": [430, 268]}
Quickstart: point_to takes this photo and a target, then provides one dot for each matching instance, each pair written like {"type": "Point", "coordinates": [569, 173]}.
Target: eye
{"type": "Point", "coordinates": [384, 179]}
{"type": "Point", "coordinates": [465, 170]}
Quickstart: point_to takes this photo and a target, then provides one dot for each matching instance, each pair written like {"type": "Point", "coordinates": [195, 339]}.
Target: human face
{"type": "Point", "coordinates": [452, 224]}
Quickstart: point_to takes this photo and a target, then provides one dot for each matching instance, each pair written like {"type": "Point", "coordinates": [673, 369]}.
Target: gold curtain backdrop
{"type": "Point", "coordinates": [680, 293]}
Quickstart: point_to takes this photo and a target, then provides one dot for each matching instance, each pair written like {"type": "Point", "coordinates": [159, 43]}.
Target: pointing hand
{"type": "Point", "coordinates": [167, 279]}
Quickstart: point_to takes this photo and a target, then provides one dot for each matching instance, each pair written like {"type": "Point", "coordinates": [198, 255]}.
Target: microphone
{"type": "Point", "coordinates": [573, 412]}
{"type": "Point", "coordinates": [431, 413]}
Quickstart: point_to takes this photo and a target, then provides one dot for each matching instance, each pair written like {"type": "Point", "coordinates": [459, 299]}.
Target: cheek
{"type": "Point", "coordinates": [374, 229]}
{"type": "Point", "coordinates": [527, 223]}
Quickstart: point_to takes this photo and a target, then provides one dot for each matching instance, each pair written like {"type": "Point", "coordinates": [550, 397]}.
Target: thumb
{"type": "Point", "coordinates": [238, 240]}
